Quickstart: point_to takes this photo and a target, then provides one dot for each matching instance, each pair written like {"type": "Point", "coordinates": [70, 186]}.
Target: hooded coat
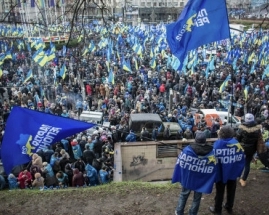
{"type": "Point", "coordinates": [248, 135]}
{"type": "Point", "coordinates": [39, 181]}
{"type": "Point", "coordinates": [91, 173]}
{"type": "Point", "coordinates": [78, 179]}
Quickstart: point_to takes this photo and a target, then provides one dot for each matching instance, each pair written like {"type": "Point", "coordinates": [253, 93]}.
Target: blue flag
{"type": "Point", "coordinates": [34, 131]}
{"type": "Point", "coordinates": [195, 172]}
{"type": "Point", "coordinates": [231, 160]}
{"type": "Point", "coordinates": [201, 22]}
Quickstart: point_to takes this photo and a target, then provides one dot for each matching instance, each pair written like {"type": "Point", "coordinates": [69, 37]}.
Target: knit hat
{"type": "Point", "coordinates": [200, 137]}
{"type": "Point", "coordinates": [249, 118]}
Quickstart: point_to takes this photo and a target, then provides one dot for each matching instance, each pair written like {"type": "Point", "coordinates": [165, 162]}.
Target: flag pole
{"type": "Point", "coordinates": [47, 21]}
{"type": "Point", "coordinates": [24, 21]}
{"type": "Point", "coordinates": [28, 19]}
{"type": "Point", "coordinates": [56, 18]}
{"type": "Point", "coordinates": [63, 11]}
{"type": "Point", "coordinates": [36, 14]}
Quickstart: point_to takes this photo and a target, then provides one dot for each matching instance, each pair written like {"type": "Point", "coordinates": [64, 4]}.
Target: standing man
{"type": "Point", "coordinates": [231, 161]}
{"type": "Point", "coordinates": [248, 134]}
{"type": "Point", "coordinates": [195, 170]}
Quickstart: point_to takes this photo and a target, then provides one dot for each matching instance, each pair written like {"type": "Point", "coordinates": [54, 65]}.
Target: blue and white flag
{"type": "Point", "coordinates": [28, 131]}
{"type": "Point", "coordinates": [195, 172]}
{"type": "Point", "coordinates": [201, 22]}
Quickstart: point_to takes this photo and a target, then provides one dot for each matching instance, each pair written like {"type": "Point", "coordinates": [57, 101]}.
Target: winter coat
{"type": "Point", "coordinates": [102, 90]}
{"type": "Point", "coordinates": [88, 90]}
{"type": "Point", "coordinates": [50, 179]}
{"type": "Point", "coordinates": [88, 156]}
{"type": "Point", "coordinates": [91, 173]}
{"type": "Point", "coordinates": [24, 179]}
{"type": "Point", "coordinates": [103, 176]}
{"type": "Point", "coordinates": [37, 161]}
{"type": "Point", "coordinates": [12, 182]}
{"type": "Point", "coordinates": [78, 179]}
{"type": "Point", "coordinates": [248, 135]}
{"type": "Point", "coordinates": [130, 137]}
{"type": "Point", "coordinates": [77, 152]}
{"type": "Point", "coordinates": [162, 88]}
{"type": "Point", "coordinates": [38, 182]}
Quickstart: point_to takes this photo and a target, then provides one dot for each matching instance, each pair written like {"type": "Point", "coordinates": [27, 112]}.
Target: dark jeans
{"type": "Point", "coordinates": [248, 160]}
{"type": "Point", "coordinates": [220, 190]}
{"type": "Point", "coordinates": [183, 197]}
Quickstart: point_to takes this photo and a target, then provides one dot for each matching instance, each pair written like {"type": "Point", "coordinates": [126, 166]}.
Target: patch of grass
{"type": "Point", "coordinates": [257, 165]}
{"type": "Point", "coordinates": [115, 188]}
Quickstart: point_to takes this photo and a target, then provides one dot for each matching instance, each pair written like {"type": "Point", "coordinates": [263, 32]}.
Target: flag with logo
{"type": "Point", "coordinates": [229, 166]}
{"type": "Point", "coordinates": [28, 131]}
{"type": "Point", "coordinates": [201, 22]}
{"type": "Point", "coordinates": [195, 172]}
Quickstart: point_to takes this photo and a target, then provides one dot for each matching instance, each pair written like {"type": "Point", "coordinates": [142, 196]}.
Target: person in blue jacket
{"type": "Point", "coordinates": [130, 137]}
{"type": "Point", "coordinates": [91, 174]}
{"type": "Point", "coordinates": [104, 176]}
{"type": "Point", "coordinates": [231, 162]}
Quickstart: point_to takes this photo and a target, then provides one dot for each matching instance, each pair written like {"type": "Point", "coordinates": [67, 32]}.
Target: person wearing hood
{"type": "Point", "coordinates": [78, 178]}
{"type": "Point", "coordinates": [196, 172]}
{"type": "Point", "coordinates": [91, 175]}
{"type": "Point", "coordinates": [38, 181]}
{"type": "Point", "coordinates": [248, 135]}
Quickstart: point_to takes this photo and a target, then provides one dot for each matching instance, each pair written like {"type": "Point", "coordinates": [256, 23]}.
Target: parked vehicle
{"type": "Point", "coordinates": [151, 121]}
{"type": "Point", "coordinates": [212, 114]}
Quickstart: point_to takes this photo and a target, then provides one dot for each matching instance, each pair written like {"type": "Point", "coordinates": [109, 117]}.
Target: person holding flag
{"type": "Point", "coordinates": [195, 170]}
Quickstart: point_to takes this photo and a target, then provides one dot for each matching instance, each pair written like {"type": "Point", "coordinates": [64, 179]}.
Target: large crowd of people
{"type": "Point", "coordinates": [94, 82]}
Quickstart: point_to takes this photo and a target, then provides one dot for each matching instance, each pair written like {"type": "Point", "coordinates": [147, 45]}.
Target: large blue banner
{"type": "Point", "coordinates": [201, 22]}
{"type": "Point", "coordinates": [28, 131]}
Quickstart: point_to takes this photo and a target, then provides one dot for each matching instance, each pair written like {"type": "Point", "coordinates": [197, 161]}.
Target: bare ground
{"type": "Point", "coordinates": [129, 198]}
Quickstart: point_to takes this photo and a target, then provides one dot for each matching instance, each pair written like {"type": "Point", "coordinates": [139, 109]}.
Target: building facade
{"type": "Point", "coordinates": [132, 11]}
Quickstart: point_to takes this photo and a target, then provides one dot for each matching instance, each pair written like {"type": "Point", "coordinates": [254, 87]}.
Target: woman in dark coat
{"type": "Point", "coordinates": [248, 135]}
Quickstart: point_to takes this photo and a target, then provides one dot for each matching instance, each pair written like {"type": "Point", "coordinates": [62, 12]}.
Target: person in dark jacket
{"type": "Point", "coordinates": [69, 172]}
{"type": "Point", "coordinates": [88, 155]}
{"type": "Point", "coordinates": [80, 165]}
{"type": "Point", "coordinates": [198, 149]}
{"type": "Point", "coordinates": [97, 148]}
{"type": "Point", "coordinates": [248, 135]}
{"type": "Point", "coordinates": [144, 135]}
